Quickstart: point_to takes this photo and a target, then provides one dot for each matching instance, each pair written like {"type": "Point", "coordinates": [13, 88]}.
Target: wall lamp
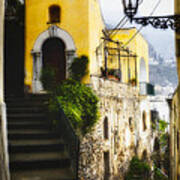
{"type": "Point", "coordinates": [159, 22]}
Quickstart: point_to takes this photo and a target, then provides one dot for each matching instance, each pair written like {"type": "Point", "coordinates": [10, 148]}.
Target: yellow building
{"type": "Point", "coordinates": [57, 31]}
{"type": "Point", "coordinates": [175, 115]}
{"type": "Point", "coordinates": [134, 58]}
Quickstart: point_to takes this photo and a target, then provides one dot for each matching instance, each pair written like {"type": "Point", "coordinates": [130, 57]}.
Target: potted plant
{"type": "Point", "coordinates": [133, 82]}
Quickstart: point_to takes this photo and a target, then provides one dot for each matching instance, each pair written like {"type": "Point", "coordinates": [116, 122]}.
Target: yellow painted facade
{"type": "Point", "coordinates": [80, 19]}
{"type": "Point", "coordinates": [137, 46]}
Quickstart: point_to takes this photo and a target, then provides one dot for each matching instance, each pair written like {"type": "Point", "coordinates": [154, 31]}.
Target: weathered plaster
{"type": "Point", "coordinates": [122, 106]}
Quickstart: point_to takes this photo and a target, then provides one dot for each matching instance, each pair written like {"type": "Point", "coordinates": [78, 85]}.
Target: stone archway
{"type": "Point", "coordinates": [143, 71]}
{"type": "Point", "coordinates": [70, 51]}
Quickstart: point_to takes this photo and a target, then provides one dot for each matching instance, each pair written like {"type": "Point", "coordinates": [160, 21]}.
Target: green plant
{"type": "Point", "coordinates": [47, 78]}
{"type": "Point", "coordinates": [158, 175]}
{"type": "Point", "coordinates": [79, 68]}
{"type": "Point", "coordinates": [79, 103]}
{"type": "Point", "coordinates": [138, 169]}
{"type": "Point", "coordinates": [162, 125]}
{"type": "Point", "coordinates": [161, 156]}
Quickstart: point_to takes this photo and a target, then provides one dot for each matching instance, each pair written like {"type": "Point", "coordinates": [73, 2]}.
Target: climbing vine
{"type": "Point", "coordinates": [79, 68]}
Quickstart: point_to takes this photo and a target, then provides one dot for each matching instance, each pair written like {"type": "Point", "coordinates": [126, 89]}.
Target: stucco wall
{"type": "Point", "coordinates": [80, 19]}
{"type": "Point", "coordinates": [120, 103]}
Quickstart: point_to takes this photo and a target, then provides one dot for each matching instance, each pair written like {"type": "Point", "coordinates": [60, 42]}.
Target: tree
{"type": "Point", "coordinates": [15, 11]}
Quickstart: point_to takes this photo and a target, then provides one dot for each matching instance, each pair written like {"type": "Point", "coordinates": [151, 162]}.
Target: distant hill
{"type": "Point", "coordinates": [162, 71]}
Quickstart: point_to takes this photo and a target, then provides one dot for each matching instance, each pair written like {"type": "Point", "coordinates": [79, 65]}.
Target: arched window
{"type": "Point", "coordinates": [54, 14]}
{"type": "Point", "coordinates": [144, 120]}
{"type": "Point", "coordinates": [106, 128]}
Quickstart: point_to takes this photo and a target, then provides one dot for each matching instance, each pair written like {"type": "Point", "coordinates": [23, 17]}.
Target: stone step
{"type": "Point", "coordinates": [17, 110]}
{"type": "Point", "coordinates": [53, 174]}
{"type": "Point", "coordinates": [26, 125]}
{"type": "Point", "coordinates": [36, 148]}
{"type": "Point", "coordinates": [33, 136]}
{"type": "Point", "coordinates": [36, 152]}
{"type": "Point", "coordinates": [38, 156]}
{"type": "Point", "coordinates": [26, 98]}
{"type": "Point", "coordinates": [35, 141]}
{"type": "Point", "coordinates": [23, 132]}
{"type": "Point", "coordinates": [40, 164]}
{"type": "Point", "coordinates": [26, 115]}
{"type": "Point", "coordinates": [27, 104]}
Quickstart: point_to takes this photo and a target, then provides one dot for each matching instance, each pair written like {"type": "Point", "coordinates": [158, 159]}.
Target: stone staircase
{"type": "Point", "coordinates": [35, 151]}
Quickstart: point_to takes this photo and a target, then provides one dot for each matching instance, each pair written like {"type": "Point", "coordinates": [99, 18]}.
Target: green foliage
{"type": "Point", "coordinates": [164, 139]}
{"type": "Point", "coordinates": [47, 78]}
{"type": "Point", "coordinates": [79, 68]}
{"type": "Point", "coordinates": [15, 10]}
{"type": "Point", "coordinates": [161, 156]}
{"type": "Point", "coordinates": [79, 103]}
{"type": "Point", "coordinates": [138, 169]}
{"type": "Point", "coordinates": [162, 125]}
{"type": "Point", "coordinates": [158, 175]}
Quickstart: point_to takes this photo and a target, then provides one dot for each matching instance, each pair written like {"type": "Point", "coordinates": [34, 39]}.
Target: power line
{"type": "Point", "coordinates": [119, 23]}
{"type": "Point", "coordinates": [138, 31]}
{"type": "Point", "coordinates": [116, 31]}
{"type": "Point", "coordinates": [115, 28]}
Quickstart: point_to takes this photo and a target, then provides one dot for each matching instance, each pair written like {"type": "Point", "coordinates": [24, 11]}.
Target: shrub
{"type": "Point", "coordinates": [158, 175]}
{"type": "Point", "coordinates": [78, 68]}
{"type": "Point", "coordinates": [79, 103]}
{"type": "Point", "coordinates": [138, 169]}
{"type": "Point", "coordinates": [47, 78]}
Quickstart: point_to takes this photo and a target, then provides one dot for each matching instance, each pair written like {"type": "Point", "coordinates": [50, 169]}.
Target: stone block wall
{"type": "Point", "coordinates": [118, 136]}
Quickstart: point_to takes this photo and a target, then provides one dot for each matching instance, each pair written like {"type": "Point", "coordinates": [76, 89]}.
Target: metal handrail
{"type": "Point", "coordinates": [70, 137]}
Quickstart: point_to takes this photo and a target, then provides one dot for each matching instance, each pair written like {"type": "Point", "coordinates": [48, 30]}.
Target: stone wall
{"type": "Point", "coordinates": [107, 150]}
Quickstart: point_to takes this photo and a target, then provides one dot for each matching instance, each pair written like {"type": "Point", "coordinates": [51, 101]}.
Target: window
{"type": "Point", "coordinates": [144, 121]}
{"type": "Point", "coordinates": [106, 128]}
{"type": "Point", "coordinates": [130, 124]}
{"type": "Point", "coordinates": [54, 14]}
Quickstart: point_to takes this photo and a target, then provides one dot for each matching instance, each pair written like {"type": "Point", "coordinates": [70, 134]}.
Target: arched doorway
{"type": "Point", "coordinates": [53, 54]}
{"type": "Point", "coordinates": [60, 38]}
{"type": "Point", "coordinates": [143, 72]}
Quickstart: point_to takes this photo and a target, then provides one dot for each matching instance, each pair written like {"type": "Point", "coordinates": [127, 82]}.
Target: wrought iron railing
{"type": "Point", "coordinates": [70, 137]}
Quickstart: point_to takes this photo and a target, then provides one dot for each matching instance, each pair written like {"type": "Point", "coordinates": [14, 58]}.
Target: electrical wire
{"type": "Point", "coordinates": [139, 30]}
{"type": "Point", "coordinates": [115, 29]}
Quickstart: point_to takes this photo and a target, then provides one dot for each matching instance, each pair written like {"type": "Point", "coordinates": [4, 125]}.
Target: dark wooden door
{"type": "Point", "coordinates": [54, 56]}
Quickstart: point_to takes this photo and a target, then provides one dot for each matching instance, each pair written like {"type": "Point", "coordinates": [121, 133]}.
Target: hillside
{"type": "Point", "coordinates": [163, 73]}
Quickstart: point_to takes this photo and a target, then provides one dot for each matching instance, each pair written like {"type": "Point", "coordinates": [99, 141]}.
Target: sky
{"type": "Point", "coordinates": [112, 12]}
